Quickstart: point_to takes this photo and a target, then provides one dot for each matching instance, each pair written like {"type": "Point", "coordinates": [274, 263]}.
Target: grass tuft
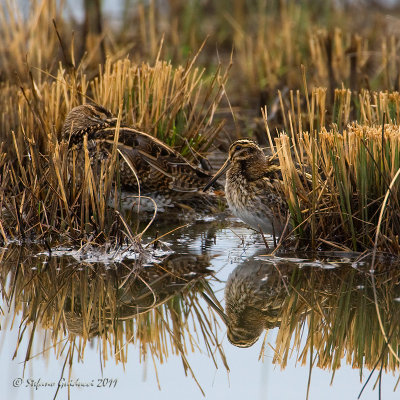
{"type": "Point", "coordinates": [353, 167]}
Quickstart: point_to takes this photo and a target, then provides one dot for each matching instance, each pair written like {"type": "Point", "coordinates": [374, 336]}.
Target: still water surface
{"type": "Point", "coordinates": [207, 253]}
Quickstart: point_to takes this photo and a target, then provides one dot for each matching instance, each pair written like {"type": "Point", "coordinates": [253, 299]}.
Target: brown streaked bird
{"type": "Point", "coordinates": [84, 120]}
{"type": "Point", "coordinates": [253, 187]}
{"type": "Point", "coordinates": [160, 168]}
{"type": "Point", "coordinates": [254, 295]}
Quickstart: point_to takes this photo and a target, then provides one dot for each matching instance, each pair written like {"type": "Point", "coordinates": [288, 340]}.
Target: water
{"type": "Point", "coordinates": [205, 252]}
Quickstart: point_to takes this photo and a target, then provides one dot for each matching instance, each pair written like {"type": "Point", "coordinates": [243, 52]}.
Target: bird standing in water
{"type": "Point", "coordinates": [159, 168]}
{"type": "Point", "coordinates": [253, 187]}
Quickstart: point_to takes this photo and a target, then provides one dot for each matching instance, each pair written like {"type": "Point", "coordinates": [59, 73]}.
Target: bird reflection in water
{"type": "Point", "coordinates": [325, 307]}
{"type": "Point", "coordinates": [254, 294]}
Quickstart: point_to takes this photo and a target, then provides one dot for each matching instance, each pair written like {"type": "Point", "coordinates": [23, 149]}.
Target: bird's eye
{"type": "Point", "coordinates": [238, 147]}
{"type": "Point", "coordinates": [101, 116]}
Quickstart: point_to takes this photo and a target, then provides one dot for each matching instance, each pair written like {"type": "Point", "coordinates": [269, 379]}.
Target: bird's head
{"type": "Point", "coordinates": [242, 151]}
{"type": "Point", "coordinates": [245, 150]}
{"type": "Point", "coordinates": [84, 118]}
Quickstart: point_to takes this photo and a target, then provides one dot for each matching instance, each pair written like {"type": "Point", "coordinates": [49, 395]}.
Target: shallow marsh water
{"type": "Point", "coordinates": [325, 307]}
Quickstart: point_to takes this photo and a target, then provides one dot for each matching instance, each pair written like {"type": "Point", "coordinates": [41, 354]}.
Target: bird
{"type": "Point", "coordinates": [159, 168]}
{"type": "Point", "coordinates": [254, 187]}
{"type": "Point", "coordinates": [254, 295]}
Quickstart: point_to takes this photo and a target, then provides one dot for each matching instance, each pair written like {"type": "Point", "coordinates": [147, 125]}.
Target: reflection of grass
{"type": "Point", "coordinates": [326, 316]}
{"type": "Point", "coordinates": [155, 307]}
{"type": "Point", "coordinates": [330, 316]}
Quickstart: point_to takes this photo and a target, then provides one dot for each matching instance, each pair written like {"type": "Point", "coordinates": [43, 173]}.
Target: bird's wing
{"type": "Point", "coordinates": [140, 150]}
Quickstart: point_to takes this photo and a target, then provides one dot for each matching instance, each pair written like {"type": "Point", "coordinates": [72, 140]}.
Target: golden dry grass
{"type": "Point", "coordinates": [176, 105]}
{"type": "Point", "coordinates": [351, 201]}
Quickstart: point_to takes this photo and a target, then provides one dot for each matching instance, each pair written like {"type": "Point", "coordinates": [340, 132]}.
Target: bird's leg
{"type": "Point", "coordinates": [262, 235]}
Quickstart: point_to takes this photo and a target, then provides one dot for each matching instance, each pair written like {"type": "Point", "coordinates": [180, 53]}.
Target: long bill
{"type": "Point", "coordinates": [227, 163]}
{"type": "Point", "coordinates": [217, 309]}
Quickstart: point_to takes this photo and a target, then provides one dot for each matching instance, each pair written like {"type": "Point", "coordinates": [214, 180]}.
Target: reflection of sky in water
{"type": "Point", "coordinates": [249, 378]}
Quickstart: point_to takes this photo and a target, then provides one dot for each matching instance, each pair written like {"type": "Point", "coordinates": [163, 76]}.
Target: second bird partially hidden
{"type": "Point", "coordinates": [162, 172]}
